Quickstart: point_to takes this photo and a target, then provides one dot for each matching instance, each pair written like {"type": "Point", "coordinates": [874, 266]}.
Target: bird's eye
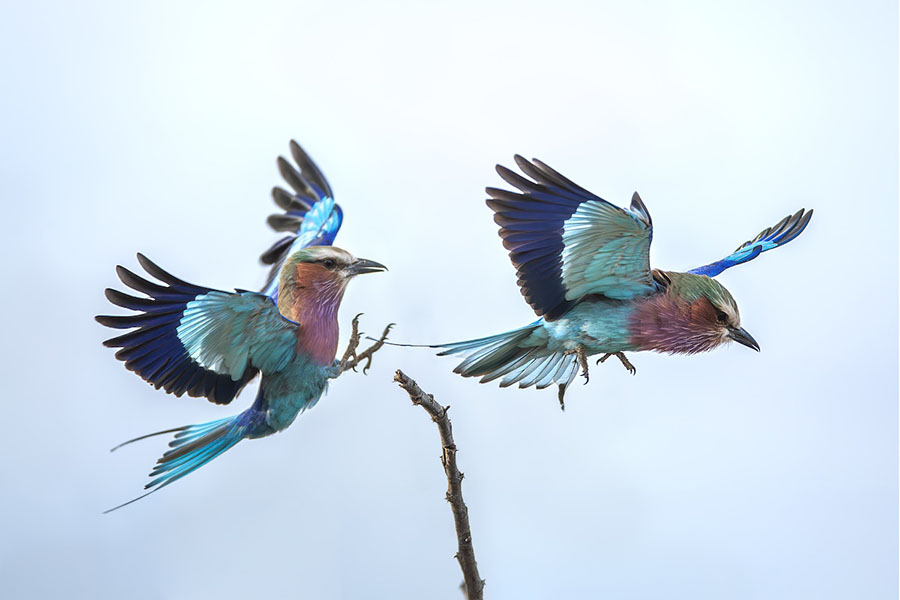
{"type": "Point", "coordinates": [721, 317]}
{"type": "Point", "coordinates": [329, 263]}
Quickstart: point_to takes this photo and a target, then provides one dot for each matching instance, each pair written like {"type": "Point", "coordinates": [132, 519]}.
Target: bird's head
{"type": "Point", "coordinates": [321, 273]}
{"type": "Point", "coordinates": [328, 263]}
{"type": "Point", "coordinates": [694, 314]}
{"type": "Point", "coordinates": [310, 289]}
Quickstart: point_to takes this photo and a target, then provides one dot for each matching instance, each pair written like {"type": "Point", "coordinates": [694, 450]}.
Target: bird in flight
{"type": "Point", "coordinates": [583, 265]}
{"type": "Point", "coordinates": [210, 343]}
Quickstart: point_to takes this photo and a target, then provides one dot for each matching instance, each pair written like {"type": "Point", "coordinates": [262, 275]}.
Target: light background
{"type": "Point", "coordinates": [154, 128]}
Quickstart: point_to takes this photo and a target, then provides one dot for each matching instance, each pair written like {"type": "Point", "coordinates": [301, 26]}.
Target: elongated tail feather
{"type": "Point", "coordinates": [149, 435]}
{"type": "Point", "coordinates": [195, 445]}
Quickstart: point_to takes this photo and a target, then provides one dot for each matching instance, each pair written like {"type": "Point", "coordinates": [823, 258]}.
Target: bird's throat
{"type": "Point", "coordinates": [669, 323]}
{"type": "Point", "coordinates": [312, 297]}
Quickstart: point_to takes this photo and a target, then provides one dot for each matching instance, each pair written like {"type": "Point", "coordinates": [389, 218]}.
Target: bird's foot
{"type": "Point", "coordinates": [621, 356]}
{"type": "Point", "coordinates": [371, 350]}
{"type": "Point", "coordinates": [582, 360]}
{"type": "Point", "coordinates": [351, 358]}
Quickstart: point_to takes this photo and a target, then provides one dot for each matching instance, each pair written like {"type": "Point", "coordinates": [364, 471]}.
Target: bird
{"type": "Point", "coordinates": [583, 265]}
{"type": "Point", "coordinates": [210, 343]}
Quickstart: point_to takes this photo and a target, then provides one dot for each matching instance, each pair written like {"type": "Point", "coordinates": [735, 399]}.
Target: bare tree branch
{"type": "Point", "coordinates": [474, 584]}
{"type": "Point", "coordinates": [350, 360]}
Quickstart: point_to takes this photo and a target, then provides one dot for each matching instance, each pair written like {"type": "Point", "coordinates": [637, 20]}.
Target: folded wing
{"type": "Point", "coordinates": [196, 340]}
{"type": "Point", "coordinates": [567, 243]}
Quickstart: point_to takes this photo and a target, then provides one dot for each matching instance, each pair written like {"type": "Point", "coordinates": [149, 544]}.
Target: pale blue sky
{"type": "Point", "coordinates": [155, 128]}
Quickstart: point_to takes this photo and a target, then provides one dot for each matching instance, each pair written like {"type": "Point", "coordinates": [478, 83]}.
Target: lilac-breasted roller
{"type": "Point", "coordinates": [583, 265]}
{"type": "Point", "coordinates": [209, 343]}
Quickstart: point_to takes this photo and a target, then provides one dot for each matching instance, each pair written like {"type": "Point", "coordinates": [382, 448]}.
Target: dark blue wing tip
{"type": "Point", "coordinates": [152, 348]}
{"type": "Point", "coordinates": [309, 187]}
{"type": "Point", "coordinates": [801, 220]}
{"type": "Point", "coordinates": [786, 230]}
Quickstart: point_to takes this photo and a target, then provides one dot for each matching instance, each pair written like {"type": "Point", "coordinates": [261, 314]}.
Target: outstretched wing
{"type": "Point", "coordinates": [197, 340]}
{"type": "Point", "coordinates": [310, 214]}
{"type": "Point", "coordinates": [771, 237]}
{"type": "Point", "coordinates": [567, 243]}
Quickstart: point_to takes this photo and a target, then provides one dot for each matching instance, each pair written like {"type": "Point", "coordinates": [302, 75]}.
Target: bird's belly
{"type": "Point", "coordinates": [291, 392]}
{"type": "Point", "coordinates": [599, 326]}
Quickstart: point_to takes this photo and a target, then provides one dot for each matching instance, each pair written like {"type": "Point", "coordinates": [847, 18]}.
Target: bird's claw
{"type": "Point", "coordinates": [371, 350]}
{"type": "Point", "coordinates": [621, 356]}
{"type": "Point", "coordinates": [350, 363]}
{"type": "Point", "coordinates": [351, 358]}
{"type": "Point", "coordinates": [582, 360]}
{"type": "Point", "coordinates": [581, 356]}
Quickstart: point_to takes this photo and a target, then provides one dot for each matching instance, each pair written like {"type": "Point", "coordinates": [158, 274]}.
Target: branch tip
{"type": "Point", "coordinates": [473, 585]}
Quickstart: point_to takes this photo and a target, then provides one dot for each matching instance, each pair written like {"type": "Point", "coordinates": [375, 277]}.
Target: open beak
{"type": "Point", "coordinates": [742, 337]}
{"type": "Point", "coordinates": [364, 265]}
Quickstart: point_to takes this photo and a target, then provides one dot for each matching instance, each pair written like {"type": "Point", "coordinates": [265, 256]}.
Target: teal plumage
{"type": "Point", "coordinates": [189, 339]}
{"type": "Point", "coordinates": [583, 265]}
{"type": "Point", "coordinates": [211, 343]}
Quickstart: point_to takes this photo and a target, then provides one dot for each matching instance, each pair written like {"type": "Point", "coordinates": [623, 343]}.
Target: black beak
{"type": "Point", "coordinates": [742, 337]}
{"type": "Point", "coordinates": [364, 265]}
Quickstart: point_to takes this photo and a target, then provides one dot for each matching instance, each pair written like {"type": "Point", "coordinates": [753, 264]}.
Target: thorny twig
{"type": "Point", "coordinates": [474, 584]}
{"type": "Point", "coordinates": [350, 359]}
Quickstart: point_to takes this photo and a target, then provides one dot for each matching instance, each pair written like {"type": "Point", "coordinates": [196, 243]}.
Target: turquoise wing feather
{"type": "Point", "coordinates": [606, 251]}
{"type": "Point", "coordinates": [196, 340]}
{"type": "Point", "coordinates": [567, 243]}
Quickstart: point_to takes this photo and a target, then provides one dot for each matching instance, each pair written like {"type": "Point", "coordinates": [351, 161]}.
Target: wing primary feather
{"type": "Point", "coordinates": [638, 206]}
{"type": "Point", "coordinates": [290, 202]}
{"type": "Point", "coordinates": [529, 169]}
{"type": "Point", "coordinates": [557, 178]}
{"type": "Point", "coordinates": [769, 238]}
{"type": "Point", "coordinates": [309, 169]}
{"type": "Point", "coordinates": [293, 178]}
{"type": "Point", "coordinates": [162, 275]}
{"type": "Point", "coordinates": [513, 179]}
{"type": "Point", "coordinates": [136, 282]}
{"type": "Point", "coordinates": [281, 223]}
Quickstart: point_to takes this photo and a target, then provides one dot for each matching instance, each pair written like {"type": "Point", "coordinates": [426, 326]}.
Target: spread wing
{"type": "Point", "coordinates": [310, 215]}
{"type": "Point", "coordinates": [771, 237]}
{"type": "Point", "coordinates": [197, 340]}
{"type": "Point", "coordinates": [567, 243]}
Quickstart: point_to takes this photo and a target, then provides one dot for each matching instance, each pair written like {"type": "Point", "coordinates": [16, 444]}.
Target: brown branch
{"type": "Point", "coordinates": [351, 359]}
{"type": "Point", "coordinates": [474, 584]}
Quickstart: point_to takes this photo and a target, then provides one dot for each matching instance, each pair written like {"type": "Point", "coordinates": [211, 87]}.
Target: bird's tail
{"type": "Point", "coordinates": [195, 445]}
{"type": "Point", "coordinates": [518, 356]}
